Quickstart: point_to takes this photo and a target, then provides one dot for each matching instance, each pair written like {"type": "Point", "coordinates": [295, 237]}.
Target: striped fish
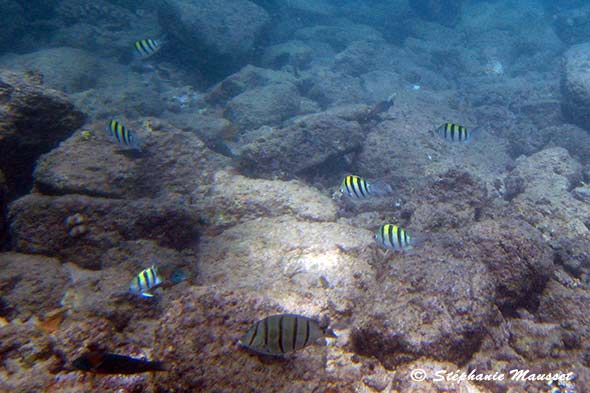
{"type": "Point", "coordinates": [279, 334]}
{"type": "Point", "coordinates": [145, 281]}
{"type": "Point", "coordinates": [147, 48]}
{"type": "Point", "coordinates": [357, 187]}
{"type": "Point", "coordinates": [122, 135]}
{"type": "Point", "coordinates": [453, 132]}
{"type": "Point", "coordinates": [393, 237]}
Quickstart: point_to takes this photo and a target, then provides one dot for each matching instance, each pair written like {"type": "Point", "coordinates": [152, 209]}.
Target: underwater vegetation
{"type": "Point", "coordinates": [294, 196]}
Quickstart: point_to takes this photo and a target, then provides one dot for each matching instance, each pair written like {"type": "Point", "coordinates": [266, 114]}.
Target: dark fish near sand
{"type": "Point", "coordinates": [280, 334]}
{"type": "Point", "coordinates": [146, 48]}
{"type": "Point", "coordinates": [117, 132]}
{"type": "Point", "coordinates": [100, 362]}
{"type": "Point", "coordinates": [357, 187]}
{"type": "Point", "coordinates": [393, 237]}
{"type": "Point", "coordinates": [381, 107]}
{"type": "Point", "coordinates": [453, 132]}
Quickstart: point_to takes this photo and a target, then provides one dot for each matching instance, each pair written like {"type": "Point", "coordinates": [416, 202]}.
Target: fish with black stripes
{"type": "Point", "coordinates": [100, 362]}
{"type": "Point", "coordinates": [146, 48]}
{"type": "Point", "coordinates": [145, 281]}
{"type": "Point", "coordinates": [453, 132]}
{"type": "Point", "coordinates": [358, 188]}
{"type": "Point", "coordinates": [117, 132]}
{"type": "Point", "coordinates": [394, 238]}
{"type": "Point", "coordinates": [281, 334]}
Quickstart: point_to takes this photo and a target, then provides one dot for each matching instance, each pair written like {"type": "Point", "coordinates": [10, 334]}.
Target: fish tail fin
{"type": "Point", "coordinates": [419, 239]}
{"type": "Point", "coordinates": [138, 143]}
{"type": "Point", "coordinates": [380, 188]}
{"type": "Point", "coordinates": [158, 366]}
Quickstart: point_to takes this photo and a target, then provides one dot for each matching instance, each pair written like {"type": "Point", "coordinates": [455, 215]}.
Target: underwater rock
{"type": "Point", "coordinates": [234, 199]}
{"type": "Point", "coordinates": [105, 294]}
{"type": "Point", "coordinates": [30, 284]}
{"type": "Point", "coordinates": [3, 203]}
{"type": "Point", "coordinates": [29, 361]}
{"type": "Point", "coordinates": [515, 254]}
{"type": "Point", "coordinates": [572, 138]}
{"type": "Point", "coordinates": [74, 11]}
{"type": "Point", "coordinates": [548, 205]}
{"type": "Point", "coordinates": [322, 259]}
{"type": "Point", "coordinates": [33, 120]}
{"type": "Point", "coordinates": [268, 105]}
{"type": "Point", "coordinates": [364, 56]}
{"type": "Point", "coordinates": [338, 36]}
{"type": "Point", "coordinates": [524, 343]}
{"type": "Point", "coordinates": [550, 173]}
{"type": "Point", "coordinates": [575, 86]}
{"type": "Point", "coordinates": [566, 306]}
{"type": "Point", "coordinates": [382, 85]}
{"type": "Point", "coordinates": [222, 34]}
{"type": "Point", "coordinates": [309, 141]}
{"type": "Point", "coordinates": [454, 199]}
{"type": "Point", "coordinates": [571, 24]}
{"type": "Point", "coordinates": [422, 305]}
{"type": "Point", "coordinates": [330, 88]}
{"type": "Point", "coordinates": [294, 53]}
{"type": "Point", "coordinates": [417, 152]}
{"type": "Point", "coordinates": [247, 78]}
{"type": "Point", "coordinates": [142, 96]}
{"type": "Point", "coordinates": [65, 69]}
{"type": "Point", "coordinates": [445, 12]}
{"type": "Point", "coordinates": [37, 225]}
{"type": "Point", "coordinates": [198, 336]}
{"type": "Point", "coordinates": [173, 162]}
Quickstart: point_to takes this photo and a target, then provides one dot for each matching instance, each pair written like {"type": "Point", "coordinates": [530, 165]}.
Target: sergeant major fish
{"type": "Point", "coordinates": [145, 281]}
{"type": "Point", "coordinates": [393, 237]}
{"type": "Point", "coordinates": [453, 132]}
{"type": "Point", "coordinates": [279, 334]}
{"type": "Point", "coordinates": [146, 48]}
{"type": "Point", "coordinates": [357, 187]}
{"type": "Point", "coordinates": [119, 133]}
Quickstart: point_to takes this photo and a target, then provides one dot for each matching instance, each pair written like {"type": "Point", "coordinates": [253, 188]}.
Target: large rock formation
{"type": "Point", "coordinates": [33, 120]}
{"type": "Point", "coordinates": [575, 85]}
{"type": "Point", "coordinates": [221, 34]}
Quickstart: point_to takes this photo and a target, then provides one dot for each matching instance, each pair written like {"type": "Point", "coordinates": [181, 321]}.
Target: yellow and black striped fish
{"type": "Point", "coordinates": [147, 48]}
{"type": "Point", "coordinates": [279, 334]}
{"type": "Point", "coordinates": [393, 237]}
{"type": "Point", "coordinates": [122, 135]}
{"type": "Point", "coordinates": [357, 187]}
{"type": "Point", "coordinates": [145, 281]}
{"type": "Point", "coordinates": [453, 132]}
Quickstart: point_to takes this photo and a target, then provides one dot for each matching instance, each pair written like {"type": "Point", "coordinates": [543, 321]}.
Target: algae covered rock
{"type": "Point", "coordinates": [234, 198]}
{"type": "Point", "coordinates": [172, 162]}
{"type": "Point", "coordinates": [425, 306]}
{"type": "Point", "coordinates": [575, 86]}
{"type": "Point", "coordinates": [309, 141]}
{"type": "Point", "coordinates": [198, 336]}
{"type": "Point", "coordinates": [65, 69]}
{"type": "Point", "coordinates": [515, 254]}
{"type": "Point", "coordinates": [221, 34]}
{"type": "Point", "coordinates": [289, 259]}
{"type": "Point", "coordinates": [33, 120]}
{"type": "Point", "coordinates": [30, 284]}
{"type": "Point", "coordinates": [44, 225]}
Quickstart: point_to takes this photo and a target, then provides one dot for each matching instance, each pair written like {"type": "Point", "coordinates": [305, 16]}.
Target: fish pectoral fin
{"type": "Point", "coordinates": [147, 294]}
